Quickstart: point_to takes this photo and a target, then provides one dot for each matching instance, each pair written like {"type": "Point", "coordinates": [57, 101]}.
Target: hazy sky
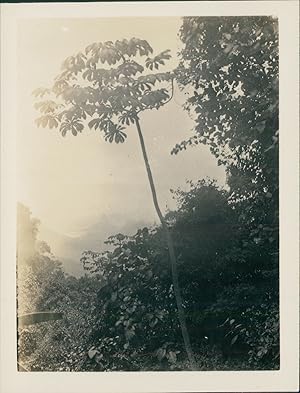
{"type": "Point", "coordinates": [69, 183]}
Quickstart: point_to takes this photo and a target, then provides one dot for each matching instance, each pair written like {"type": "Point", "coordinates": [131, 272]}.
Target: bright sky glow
{"type": "Point", "coordinates": [69, 183]}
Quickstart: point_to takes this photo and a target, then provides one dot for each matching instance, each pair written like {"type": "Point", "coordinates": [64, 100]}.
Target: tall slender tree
{"type": "Point", "coordinates": [111, 83]}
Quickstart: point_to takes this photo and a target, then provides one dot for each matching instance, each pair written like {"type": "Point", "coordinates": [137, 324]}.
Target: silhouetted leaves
{"type": "Point", "coordinates": [40, 92]}
{"type": "Point", "coordinates": [158, 60]}
{"type": "Point", "coordinates": [47, 120]}
{"type": "Point", "coordinates": [86, 87]}
{"type": "Point", "coordinates": [114, 133]}
{"type": "Point", "coordinates": [73, 125]}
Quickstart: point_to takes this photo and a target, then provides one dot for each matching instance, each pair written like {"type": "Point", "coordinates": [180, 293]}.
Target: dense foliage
{"type": "Point", "coordinates": [229, 298]}
{"type": "Point", "coordinates": [43, 286]}
{"type": "Point", "coordinates": [125, 316]}
{"type": "Point", "coordinates": [229, 66]}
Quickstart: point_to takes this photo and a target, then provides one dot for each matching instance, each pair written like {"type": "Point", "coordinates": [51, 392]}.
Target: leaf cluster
{"type": "Point", "coordinates": [110, 84]}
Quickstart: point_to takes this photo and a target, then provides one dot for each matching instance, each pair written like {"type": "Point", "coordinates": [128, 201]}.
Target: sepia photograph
{"type": "Point", "coordinates": [148, 215]}
{"type": "Point", "coordinates": [148, 219]}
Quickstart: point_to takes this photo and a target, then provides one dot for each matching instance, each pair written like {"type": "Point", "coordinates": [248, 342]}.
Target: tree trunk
{"type": "Point", "coordinates": [172, 256]}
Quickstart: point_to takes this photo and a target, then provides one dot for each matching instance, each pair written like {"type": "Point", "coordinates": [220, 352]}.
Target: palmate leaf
{"type": "Point", "coordinates": [64, 128]}
{"type": "Point", "coordinates": [158, 60]}
{"type": "Point", "coordinates": [114, 133]}
{"type": "Point", "coordinates": [74, 125]}
{"type": "Point", "coordinates": [111, 52]}
{"type": "Point", "coordinates": [151, 79]}
{"type": "Point", "coordinates": [118, 137]}
{"type": "Point", "coordinates": [77, 127]}
{"type": "Point", "coordinates": [95, 123]}
{"type": "Point", "coordinates": [72, 93]}
{"type": "Point", "coordinates": [155, 98]}
{"type": "Point", "coordinates": [47, 121]}
{"type": "Point", "coordinates": [74, 63]}
{"type": "Point", "coordinates": [133, 46]}
{"type": "Point", "coordinates": [109, 55]}
{"type": "Point", "coordinates": [73, 113]}
{"type": "Point", "coordinates": [92, 48]}
{"type": "Point", "coordinates": [130, 68]}
{"type": "Point", "coordinates": [103, 52]}
{"type": "Point", "coordinates": [127, 118]}
{"type": "Point", "coordinates": [37, 317]}
{"type": "Point", "coordinates": [48, 106]}
{"type": "Point", "coordinates": [60, 85]}
{"type": "Point", "coordinates": [89, 74]}
{"type": "Point", "coordinates": [40, 92]}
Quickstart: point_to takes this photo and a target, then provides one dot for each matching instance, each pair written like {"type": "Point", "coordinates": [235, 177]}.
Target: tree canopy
{"type": "Point", "coordinates": [229, 66]}
{"type": "Point", "coordinates": [110, 83]}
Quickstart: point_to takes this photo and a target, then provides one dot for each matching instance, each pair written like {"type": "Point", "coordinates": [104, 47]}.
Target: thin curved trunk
{"type": "Point", "coordinates": [172, 256]}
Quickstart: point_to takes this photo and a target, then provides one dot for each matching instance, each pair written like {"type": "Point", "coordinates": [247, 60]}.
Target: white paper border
{"type": "Point", "coordinates": [287, 378]}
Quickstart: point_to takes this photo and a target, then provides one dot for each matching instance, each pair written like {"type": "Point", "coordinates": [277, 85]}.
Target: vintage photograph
{"type": "Point", "coordinates": [148, 194]}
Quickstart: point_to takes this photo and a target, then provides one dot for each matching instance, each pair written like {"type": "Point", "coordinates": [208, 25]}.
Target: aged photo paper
{"type": "Point", "coordinates": [150, 197]}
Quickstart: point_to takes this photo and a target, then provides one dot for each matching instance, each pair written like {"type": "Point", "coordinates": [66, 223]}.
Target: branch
{"type": "Point", "coordinates": [164, 103]}
{"type": "Point", "coordinates": [172, 94]}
